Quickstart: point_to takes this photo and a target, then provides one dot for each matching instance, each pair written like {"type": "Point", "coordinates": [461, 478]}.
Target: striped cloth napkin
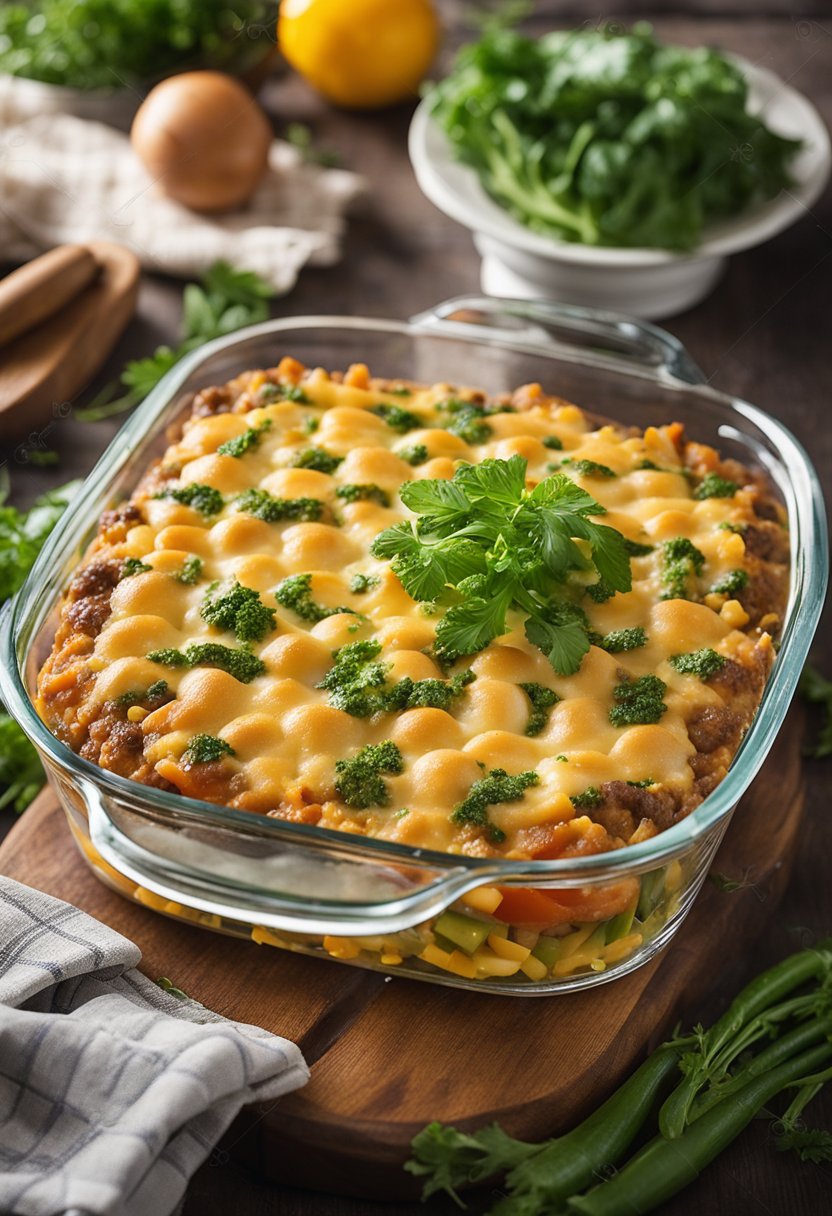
{"type": "Point", "coordinates": [112, 1091]}
{"type": "Point", "coordinates": [67, 180]}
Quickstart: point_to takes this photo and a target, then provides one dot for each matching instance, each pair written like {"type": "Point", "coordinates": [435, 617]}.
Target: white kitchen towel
{"type": "Point", "coordinates": [68, 180]}
{"type": "Point", "coordinates": [112, 1091]}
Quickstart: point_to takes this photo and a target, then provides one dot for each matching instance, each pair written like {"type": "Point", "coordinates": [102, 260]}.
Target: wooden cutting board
{"type": "Point", "coordinates": [388, 1055]}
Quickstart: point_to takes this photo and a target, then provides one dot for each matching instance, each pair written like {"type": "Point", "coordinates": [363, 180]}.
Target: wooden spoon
{"type": "Point", "coordinates": [42, 287]}
{"type": "Point", "coordinates": [42, 370]}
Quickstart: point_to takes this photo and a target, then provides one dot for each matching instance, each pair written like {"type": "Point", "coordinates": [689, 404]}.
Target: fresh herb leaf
{"type": "Point", "coordinates": [587, 799]}
{"type": "Point", "coordinates": [23, 533]}
{"type": "Point", "coordinates": [635, 549]}
{"type": "Point", "coordinates": [487, 544]}
{"type": "Point", "coordinates": [817, 690]}
{"type": "Point", "coordinates": [21, 774]}
{"type": "Point", "coordinates": [607, 136]}
{"type": "Point", "coordinates": [133, 565]}
{"type": "Point", "coordinates": [226, 300]}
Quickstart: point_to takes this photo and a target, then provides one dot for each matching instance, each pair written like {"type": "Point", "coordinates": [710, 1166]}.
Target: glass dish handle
{"type": "Point", "coordinates": [565, 330]}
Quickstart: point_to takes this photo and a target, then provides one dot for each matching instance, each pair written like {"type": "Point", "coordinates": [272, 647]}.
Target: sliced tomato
{"type": "Point", "coordinates": [544, 908]}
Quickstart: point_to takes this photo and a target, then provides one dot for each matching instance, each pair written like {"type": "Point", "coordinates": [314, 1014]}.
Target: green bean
{"type": "Point", "coordinates": [572, 1161]}
{"type": "Point", "coordinates": [665, 1167]}
{"type": "Point", "coordinates": [779, 1052]}
{"type": "Point", "coordinates": [755, 999]}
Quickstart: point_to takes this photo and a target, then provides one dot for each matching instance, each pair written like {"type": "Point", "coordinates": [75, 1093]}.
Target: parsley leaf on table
{"type": "Point", "coordinates": [22, 534]}
{"type": "Point", "coordinates": [486, 544]}
{"type": "Point", "coordinates": [816, 689]}
{"type": "Point", "coordinates": [225, 300]}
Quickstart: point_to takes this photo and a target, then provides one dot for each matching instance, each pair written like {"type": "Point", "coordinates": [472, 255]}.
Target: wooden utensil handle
{"type": "Point", "coordinates": [42, 287]}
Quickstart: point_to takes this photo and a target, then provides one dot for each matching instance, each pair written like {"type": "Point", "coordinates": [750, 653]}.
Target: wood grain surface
{"type": "Point", "coordinates": [765, 334]}
{"type": "Point", "coordinates": [389, 1055]}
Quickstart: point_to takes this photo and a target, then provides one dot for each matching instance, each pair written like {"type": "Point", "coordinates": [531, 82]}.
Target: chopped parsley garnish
{"type": "Point", "coordinates": [361, 583]}
{"type": "Point", "coordinates": [318, 459]}
{"type": "Point", "coordinates": [714, 486]}
{"type": "Point", "coordinates": [239, 663]}
{"type": "Point", "coordinates": [363, 493]}
{"type": "Point", "coordinates": [644, 784]}
{"type": "Point", "coordinates": [634, 548]}
{"type": "Point", "coordinates": [600, 592]}
{"type": "Point", "coordinates": [244, 442]}
{"type": "Point", "coordinates": [587, 799]}
{"type": "Point", "coordinates": [238, 609]}
{"type": "Point", "coordinates": [191, 571]}
{"type": "Point", "coordinates": [311, 425]}
{"type": "Point", "coordinates": [623, 639]}
{"type": "Point", "coordinates": [285, 392]}
{"type": "Point", "coordinates": [543, 699]}
{"type": "Point", "coordinates": [133, 565]}
{"type": "Point", "coordinates": [727, 526]}
{"type": "Point", "coordinates": [157, 691]}
{"type": "Point", "coordinates": [204, 499]}
{"type": "Point", "coordinates": [401, 390]}
{"type": "Point", "coordinates": [498, 546]}
{"type": "Point", "coordinates": [496, 787]}
{"type": "Point", "coordinates": [426, 694]}
{"type": "Point", "coordinates": [413, 454]}
{"type": "Point", "coordinates": [730, 583]}
{"type": "Point", "coordinates": [263, 505]}
{"type": "Point", "coordinates": [552, 441]}
{"type": "Point", "coordinates": [467, 420]}
{"type": "Point", "coordinates": [398, 419]}
{"type": "Point", "coordinates": [357, 684]}
{"type": "Point", "coordinates": [359, 782]}
{"type": "Point", "coordinates": [681, 562]}
{"type": "Point", "coordinates": [648, 464]}
{"type": "Point", "coordinates": [589, 468]}
{"type": "Point", "coordinates": [356, 678]}
{"type": "Point", "coordinates": [295, 593]}
{"type": "Point", "coordinates": [202, 749]}
{"type": "Point", "coordinates": [703, 663]}
{"type": "Point", "coordinates": [638, 702]}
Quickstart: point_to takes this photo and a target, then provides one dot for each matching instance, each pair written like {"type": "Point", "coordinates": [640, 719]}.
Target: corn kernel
{"type": "Point", "coordinates": [483, 899]}
{"type": "Point", "coordinates": [733, 614]}
{"type": "Point", "coordinates": [503, 948]}
{"type": "Point", "coordinates": [533, 968]}
{"type": "Point", "coordinates": [136, 713]}
{"type": "Point", "coordinates": [341, 947]}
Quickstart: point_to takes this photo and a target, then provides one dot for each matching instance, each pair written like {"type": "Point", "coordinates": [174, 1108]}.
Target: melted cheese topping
{"type": "Point", "coordinates": [285, 734]}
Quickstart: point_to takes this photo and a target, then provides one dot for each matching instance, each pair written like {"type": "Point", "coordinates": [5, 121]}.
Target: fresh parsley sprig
{"type": "Point", "coordinates": [224, 301]}
{"type": "Point", "coordinates": [484, 544]}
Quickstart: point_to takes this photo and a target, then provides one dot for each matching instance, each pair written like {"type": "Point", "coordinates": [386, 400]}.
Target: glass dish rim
{"type": "Point", "coordinates": [808, 585]}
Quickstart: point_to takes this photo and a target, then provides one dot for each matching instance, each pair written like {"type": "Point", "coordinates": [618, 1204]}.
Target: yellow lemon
{"type": "Point", "coordinates": [361, 54]}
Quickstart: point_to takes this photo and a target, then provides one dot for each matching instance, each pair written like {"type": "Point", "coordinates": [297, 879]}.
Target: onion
{"type": "Point", "coordinates": [204, 139]}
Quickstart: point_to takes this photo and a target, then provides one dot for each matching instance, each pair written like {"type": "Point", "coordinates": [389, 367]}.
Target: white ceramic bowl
{"type": "Point", "coordinates": [649, 283]}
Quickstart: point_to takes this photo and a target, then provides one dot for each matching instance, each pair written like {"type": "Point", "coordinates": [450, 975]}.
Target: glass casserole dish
{"type": "Point", "coordinates": [373, 902]}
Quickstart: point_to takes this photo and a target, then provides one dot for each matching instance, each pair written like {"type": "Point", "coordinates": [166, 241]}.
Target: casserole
{"type": "Point", "coordinates": [320, 891]}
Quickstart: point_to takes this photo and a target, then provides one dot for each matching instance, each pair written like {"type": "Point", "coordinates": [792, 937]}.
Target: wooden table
{"type": "Point", "coordinates": [765, 334]}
